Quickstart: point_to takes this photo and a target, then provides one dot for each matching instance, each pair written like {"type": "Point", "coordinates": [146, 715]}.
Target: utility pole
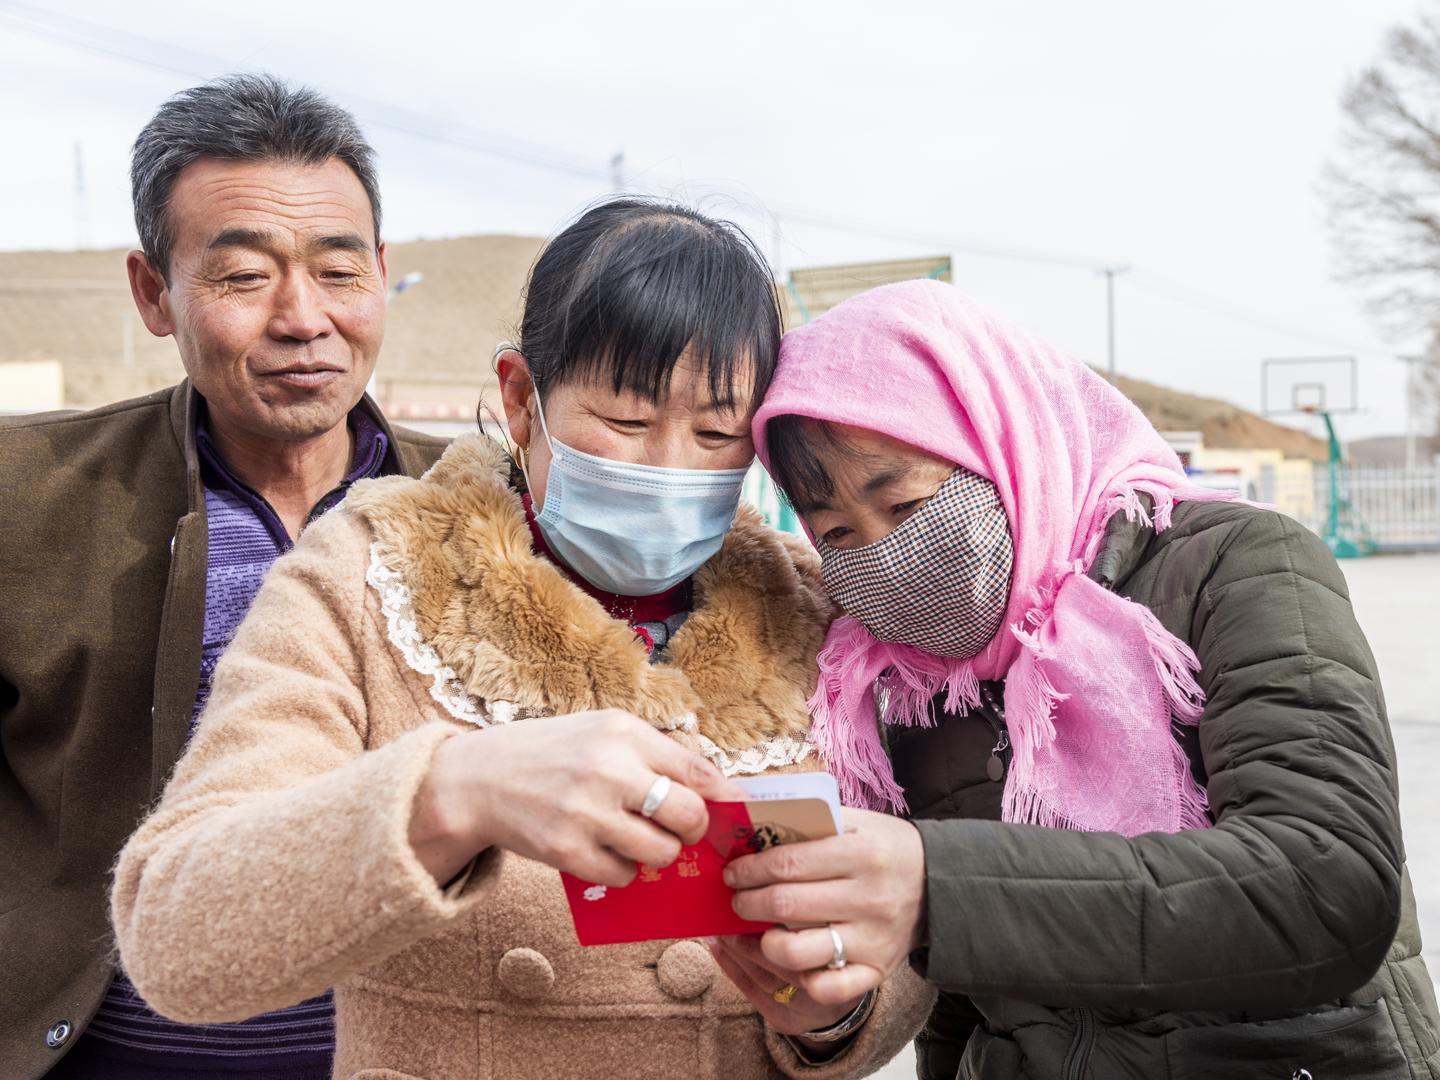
{"type": "Point", "coordinates": [1109, 272]}
{"type": "Point", "coordinates": [617, 171]}
{"type": "Point", "coordinates": [82, 211]}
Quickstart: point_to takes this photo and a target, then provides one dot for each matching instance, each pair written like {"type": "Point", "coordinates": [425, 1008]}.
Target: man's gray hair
{"type": "Point", "coordinates": [239, 118]}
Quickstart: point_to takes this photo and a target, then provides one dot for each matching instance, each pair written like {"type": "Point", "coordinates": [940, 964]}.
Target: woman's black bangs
{"type": "Point", "coordinates": [661, 287]}
{"type": "Point", "coordinates": [796, 444]}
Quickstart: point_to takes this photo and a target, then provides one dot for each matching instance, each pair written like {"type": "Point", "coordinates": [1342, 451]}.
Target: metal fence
{"type": "Point", "coordinates": [1398, 506]}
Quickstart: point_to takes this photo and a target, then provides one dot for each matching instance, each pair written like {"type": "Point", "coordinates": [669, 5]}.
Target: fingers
{"type": "Point", "coordinates": [796, 950]}
{"type": "Point", "coordinates": [685, 767]}
{"type": "Point", "coordinates": [632, 837]}
{"type": "Point", "coordinates": [745, 979]}
{"type": "Point", "coordinates": [747, 949]}
{"type": "Point", "coordinates": [596, 864]}
{"type": "Point", "coordinates": [838, 987]}
{"type": "Point", "coordinates": [682, 813]}
{"type": "Point", "coordinates": [801, 904]}
{"type": "Point", "coordinates": [759, 986]}
{"type": "Point", "coordinates": [810, 860]}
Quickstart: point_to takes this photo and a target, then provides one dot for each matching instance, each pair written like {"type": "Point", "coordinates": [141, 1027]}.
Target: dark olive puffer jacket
{"type": "Point", "coordinates": [1280, 942]}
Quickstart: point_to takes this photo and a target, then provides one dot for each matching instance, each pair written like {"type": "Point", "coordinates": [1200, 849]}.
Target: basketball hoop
{"type": "Point", "coordinates": [1322, 386]}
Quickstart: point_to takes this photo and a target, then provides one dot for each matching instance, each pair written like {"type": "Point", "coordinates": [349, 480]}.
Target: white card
{"type": "Point", "coordinates": [811, 785]}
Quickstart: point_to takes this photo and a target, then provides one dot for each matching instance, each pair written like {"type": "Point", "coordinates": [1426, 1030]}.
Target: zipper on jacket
{"type": "Point", "coordinates": [998, 762]}
{"type": "Point", "coordinates": [999, 758]}
{"type": "Point", "coordinates": [1077, 1058]}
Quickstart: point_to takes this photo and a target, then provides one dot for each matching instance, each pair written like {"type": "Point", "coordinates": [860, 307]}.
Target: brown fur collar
{"type": "Point", "coordinates": [514, 628]}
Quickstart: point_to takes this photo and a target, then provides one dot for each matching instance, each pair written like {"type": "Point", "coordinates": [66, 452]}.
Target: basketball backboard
{"type": "Point", "coordinates": [1310, 385]}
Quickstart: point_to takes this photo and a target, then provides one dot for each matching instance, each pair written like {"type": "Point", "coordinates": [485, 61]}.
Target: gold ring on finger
{"type": "Point", "coordinates": [784, 995]}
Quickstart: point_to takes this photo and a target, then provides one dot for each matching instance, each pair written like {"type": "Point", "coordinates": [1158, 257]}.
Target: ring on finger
{"type": "Point", "coordinates": [837, 951]}
{"type": "Point", "coordinates": [785, 994]}
{"type": "Point", "coordinates": [657, 794]}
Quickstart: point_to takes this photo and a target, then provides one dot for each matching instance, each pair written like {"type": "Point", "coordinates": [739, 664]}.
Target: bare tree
{"type": "Point", "coordinates": [1383, 190]}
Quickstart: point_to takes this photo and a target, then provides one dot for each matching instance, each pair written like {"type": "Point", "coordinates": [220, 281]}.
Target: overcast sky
{"type": "Point", "coordinates": [1183, 139]}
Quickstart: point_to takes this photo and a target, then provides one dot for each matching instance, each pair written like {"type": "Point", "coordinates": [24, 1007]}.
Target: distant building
{"type": "Point", "coordinates": [30, 386]}
{"type": "Point", "coordinates": [74, 310]}
{"type": "Point", "coordinates": [808, 294]}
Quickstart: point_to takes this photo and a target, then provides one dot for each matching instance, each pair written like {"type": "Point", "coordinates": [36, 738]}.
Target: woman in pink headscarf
{"type": "Point", "coordinates": [1141, 784]}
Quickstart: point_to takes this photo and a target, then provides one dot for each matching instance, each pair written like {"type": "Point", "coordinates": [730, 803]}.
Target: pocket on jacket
{"type": "Point", "coordinates": [991, 1057]}
{"type": "Point", "coordinates": [1356, 1042]}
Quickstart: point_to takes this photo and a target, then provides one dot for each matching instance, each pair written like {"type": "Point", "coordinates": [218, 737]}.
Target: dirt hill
{"type": "Point", "coordinates": [1224, 425]}
{"type": "Point", "coordinates": [75, 307]}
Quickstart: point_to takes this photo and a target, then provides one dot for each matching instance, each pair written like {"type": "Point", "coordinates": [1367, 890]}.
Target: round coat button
{"type": "Point", "coordinates": [686, 970]}
{"type": "Point", "coordinates": [525, 974]}
{"type": "Point", "coordinates": [58, 1034]}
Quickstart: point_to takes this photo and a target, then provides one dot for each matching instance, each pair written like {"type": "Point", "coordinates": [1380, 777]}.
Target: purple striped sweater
{"type": "Point", "coordinates": [126, 1040]}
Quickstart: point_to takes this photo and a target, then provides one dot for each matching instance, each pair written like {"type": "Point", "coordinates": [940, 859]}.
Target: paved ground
{"type": "Point", "coordinates": [1397, 599]}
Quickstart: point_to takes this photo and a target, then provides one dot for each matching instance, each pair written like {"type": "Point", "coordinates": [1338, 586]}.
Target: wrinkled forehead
{"type": "Point", "coordinates": [218, 204]}
{"type": "Point", "coordinates": [821, 464]}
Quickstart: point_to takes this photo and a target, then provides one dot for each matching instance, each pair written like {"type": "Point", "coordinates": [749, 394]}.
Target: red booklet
{"type": "Point", "coordinates": [689, 898]}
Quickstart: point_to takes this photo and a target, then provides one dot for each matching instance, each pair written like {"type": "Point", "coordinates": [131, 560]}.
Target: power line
{"type": "Point", "coordinates": [957, 245]}
{"type": "Point", "coordinates": [1157, 285]}
{"type": "Point", "coordinates": [174, 60]}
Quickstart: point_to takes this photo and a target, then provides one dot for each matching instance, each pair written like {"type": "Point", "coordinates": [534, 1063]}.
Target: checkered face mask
{"type": "Point", "coordinates": [940, 581]}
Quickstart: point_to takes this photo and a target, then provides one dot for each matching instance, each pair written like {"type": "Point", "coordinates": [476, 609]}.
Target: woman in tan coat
{"type": "Point", "coordinates": [456, 686]}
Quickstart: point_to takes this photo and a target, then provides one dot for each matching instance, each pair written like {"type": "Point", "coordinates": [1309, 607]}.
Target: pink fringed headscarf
{"type": "Point", "coordinates": [1092, 680]}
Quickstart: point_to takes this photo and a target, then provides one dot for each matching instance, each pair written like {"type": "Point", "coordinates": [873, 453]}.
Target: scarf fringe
{"type": "Point", "coordinates": [1030, 702]}
{"type": "Point", "coordinates": [1175, 666]}
{"type": "Point", "coordinates": [852, 663]}
{"type": "Point", "coordinates": [1194, 800]}
{"type": "Point", "coordinates": [845, 723]}
{"type": "Point", "coordinates": [1027, 807]}
{"type": "Point", "coordinates": [911, 689]}
{"type": "Point", "coordinates": [1024, 805]}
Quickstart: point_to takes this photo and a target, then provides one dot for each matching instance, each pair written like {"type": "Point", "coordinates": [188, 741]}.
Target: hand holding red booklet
{"type": "Point", "coordinates": [689, 898]}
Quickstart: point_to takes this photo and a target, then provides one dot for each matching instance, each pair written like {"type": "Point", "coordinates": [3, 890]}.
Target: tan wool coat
{"type": "Point", "coordinates": [277, 863]}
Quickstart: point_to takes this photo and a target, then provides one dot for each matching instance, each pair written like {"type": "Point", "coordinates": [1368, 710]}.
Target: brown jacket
{"type": "Point", "coordinates": [102, 600]}
{"type": "Point", "coordinates": [278, 862]}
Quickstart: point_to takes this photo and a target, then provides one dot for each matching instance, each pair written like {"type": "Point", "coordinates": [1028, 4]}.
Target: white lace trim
{"type": "Point", "coordinates": [398, 607]}
{"type": "Point", "coordinates": [400, 626]}
{"type": "Point", "coordinates": [779, 751]}
{"type": "Point", "coordinates": [686, 722]}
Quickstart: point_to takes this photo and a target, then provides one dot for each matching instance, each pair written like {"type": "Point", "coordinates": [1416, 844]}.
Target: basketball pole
{"type": "Point", "coordinates": [1345, 532]}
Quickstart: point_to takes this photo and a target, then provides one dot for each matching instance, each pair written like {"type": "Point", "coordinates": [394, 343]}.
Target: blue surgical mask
{"type": "Point", "coordinates": [636, 530]}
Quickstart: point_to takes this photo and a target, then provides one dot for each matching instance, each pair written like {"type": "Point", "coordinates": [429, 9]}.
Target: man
{"type": "Point", "coordinates": [135, 537]}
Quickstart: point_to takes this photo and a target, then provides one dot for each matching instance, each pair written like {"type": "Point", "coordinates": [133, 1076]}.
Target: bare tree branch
{"type": "Point", "coordinates": [1383, 189]}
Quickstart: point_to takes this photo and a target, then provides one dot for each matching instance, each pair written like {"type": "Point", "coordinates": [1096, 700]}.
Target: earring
{"type": "Point", "coordinates": [522, 457]}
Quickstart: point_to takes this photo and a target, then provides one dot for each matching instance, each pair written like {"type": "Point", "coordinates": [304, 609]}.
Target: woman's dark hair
{"type": "Point", "coordinates": [796, 444]}
{"type": "Point", "coordinates": [623, 292]}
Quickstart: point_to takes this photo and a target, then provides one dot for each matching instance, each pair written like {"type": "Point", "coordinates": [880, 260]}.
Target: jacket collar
{"type": "Point", "coordinates": [514, 629]}
{"type": "Point", "coordinates": [185, 411]}
{"type": "Point", "coordinates": [1123, 547]}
